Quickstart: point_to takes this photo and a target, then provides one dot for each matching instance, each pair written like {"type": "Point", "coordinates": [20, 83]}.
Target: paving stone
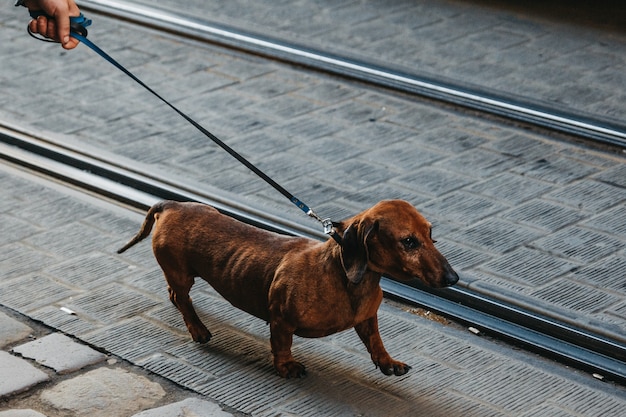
{"type": "Point", "coordinates": [462, 208]}
{"type": "Point", "coordinates": [354, 175]}
{"type": "Point", "coordinates": [580, 298]}
{"type": "Point", "coordinates": [17, 375]}
{"type": "Point", "coordinates": [15, 230]}
{"type": "Point", "coordinates": [12, 330]}
{"type": "Point", "coordinates": [579, 244]}
{"type": "Point", "coordinates": [32, 291]}
{"type": "Point", "coordinates": [189, 407]}
{"type": "Point", "coordinates": [328, 92]}
{"type": "Point", "coordinates": [60, 353]}
{"type": "Point", "coordinates": [594, 196]}
{"type": "Point", "coordinates": [528, 266]}
{"type": "Point", "coordinates": [306, 128]}
{"type": "Point", "coordinates": [68, 239]}
{"type": "Point", "coordinates": [179, 371]}
{"type": "Point", "coordinates": [111, 303]}
{"type": "Point", "coordinates": [544, 215]}
{"type": "Point", "coordinates": [556, 170]}
{"type": "Point", "coordinates": [502, 288]}
{"type": "Point", "coordinates": [89, 271]}
{"type": "Point", "coordinates": [495, 235]}
{"type": "Point", "coordinates": [17, 259]}
{"type": "Point", "coordinates": [147, 338]}
{"type": "Point", "coordinates": [615, 176]}
{"type": "Point", "coordinates": [511, 188]}
{"type": "Point", "coordinates": [593, 403]}
{"type": "Point", "coordinates": [612, 221]}
{"type": "Point", "coordinates": [373, 134]}
{"type": "Point", "coordinates": [329, 150]}
{"type": "Point", "coordinates": [55, 212]}
{"type": "Point", "coordinates": [434, 181]}
{"type": "Point", "coordinates": [104, 392]}
{"type": "Point", "coordinates": [461, 256]}
{"type": "Point", "coordinates": [603, 273]}
{"type": "Point", "coordinates": [445, 140]}
{"type": "Point", "coordinates": [353, 111]}
{"type": "Point", "coordinates": [480, 163]}
{"type": "Point", "coordinates": [494, 389]}
{"type": "Point", "coordinates": [21, 413]}
{"type": "Point", "coordinates": [286, 106]}
{"type": "Point", "coordinates": [72, 324]}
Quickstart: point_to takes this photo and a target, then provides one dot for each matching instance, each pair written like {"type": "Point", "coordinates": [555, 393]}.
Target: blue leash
{"type": "Point", "coordinates": [78, 30]}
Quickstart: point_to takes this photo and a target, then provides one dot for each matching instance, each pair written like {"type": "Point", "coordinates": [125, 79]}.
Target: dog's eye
{"type": "Point", "coordinates": [410, 242]}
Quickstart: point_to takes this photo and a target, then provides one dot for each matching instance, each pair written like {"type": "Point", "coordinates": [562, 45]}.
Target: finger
{"type": "Point", "coordinates": [32, 25]}
{"type": "Point", "coordinates": [51, 29]}
{"type": "Point", "coordinates": [42, 26]}
{"type": "Point", "coordinates": [71, 44]}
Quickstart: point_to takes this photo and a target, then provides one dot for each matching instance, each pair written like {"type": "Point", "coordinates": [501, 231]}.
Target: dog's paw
{"type": "Point", "coordinates": [394, 368]}
{"type": "Point", "coordinates": [291, 369]}
{"type": "Point", "coordinates": [201, 335]}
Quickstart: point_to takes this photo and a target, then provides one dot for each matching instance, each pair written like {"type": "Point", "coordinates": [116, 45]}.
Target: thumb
{"type": "Point", "coordinates": [63, 24]}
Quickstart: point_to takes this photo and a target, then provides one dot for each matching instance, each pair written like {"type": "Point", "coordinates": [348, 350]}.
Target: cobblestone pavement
{"type": "Point", "coordinates": [43, 372]}
{"type": "Point", "coordinates": [570, 54]}
{"type": "Point", "coordinates": [523, 216]}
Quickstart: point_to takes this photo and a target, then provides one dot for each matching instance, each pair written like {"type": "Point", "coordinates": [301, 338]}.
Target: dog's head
{"type": "Point", "coordinates": [394, 239]}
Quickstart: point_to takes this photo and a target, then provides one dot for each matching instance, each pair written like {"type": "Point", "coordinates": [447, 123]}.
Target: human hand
{"type": "Point", "coordinates": [58, 26]}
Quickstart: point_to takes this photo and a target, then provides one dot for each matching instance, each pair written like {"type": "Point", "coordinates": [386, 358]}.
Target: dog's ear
{"type": "Point", "coordinates": [354, 251]}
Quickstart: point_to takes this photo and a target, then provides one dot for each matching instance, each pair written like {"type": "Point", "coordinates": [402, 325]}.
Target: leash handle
{"type": "Point", "coordinates": [78, 30]}
{"type": "Point", "coordinates": [78, 25]}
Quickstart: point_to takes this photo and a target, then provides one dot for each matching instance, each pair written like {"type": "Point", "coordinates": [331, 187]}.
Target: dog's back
{"type": "Point", "coordinates": [195, 240]}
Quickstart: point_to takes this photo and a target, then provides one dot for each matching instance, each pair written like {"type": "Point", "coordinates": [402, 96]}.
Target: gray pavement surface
{"type": "Point", "coordinates": [554, 52]}
{"type": "Point", "coordinates": [526, 217]}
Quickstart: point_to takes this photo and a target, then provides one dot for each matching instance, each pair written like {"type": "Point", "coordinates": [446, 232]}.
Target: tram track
{"type": "Point", "coordinates": [512, 108]}
{"type": "Point", "coordinates": [96, 175]}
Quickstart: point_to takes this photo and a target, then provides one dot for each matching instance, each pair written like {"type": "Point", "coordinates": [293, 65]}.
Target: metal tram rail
{"type": "Point", "coordinates": [607, 133]}
{"type": "Point", "coordinates": [94, 174]}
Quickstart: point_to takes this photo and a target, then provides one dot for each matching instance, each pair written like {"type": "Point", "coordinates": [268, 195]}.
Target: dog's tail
{"type": "Point", "coordinates": [146, 227]}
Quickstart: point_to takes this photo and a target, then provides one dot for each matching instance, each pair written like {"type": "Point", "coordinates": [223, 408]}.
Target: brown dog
{"type": "Point", "coordinates": [300, 286]}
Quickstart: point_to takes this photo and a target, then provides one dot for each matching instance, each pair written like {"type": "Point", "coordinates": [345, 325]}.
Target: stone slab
{"type": "Point", "coordinates": [17, 375]}
{"type": "Point", "coordinates": [104, 392]}
{"type": "Point", "coordinates": [191, 407]}
{"type": "Point", "coordinates": [12, 330]}
{"type": "Point", "coordinates": [21, 413]}
{"type": "Point", "coordinates": [60, 353]}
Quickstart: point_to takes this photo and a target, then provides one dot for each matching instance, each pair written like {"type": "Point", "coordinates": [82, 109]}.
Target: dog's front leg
{"type": "Point", "coordinates": [281, 339]}
{"type": "Point", "coordinates": [368, 332]}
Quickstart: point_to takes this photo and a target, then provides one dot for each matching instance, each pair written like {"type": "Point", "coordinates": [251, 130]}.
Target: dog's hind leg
{"type": "Point", "coordinates": [178, 288]}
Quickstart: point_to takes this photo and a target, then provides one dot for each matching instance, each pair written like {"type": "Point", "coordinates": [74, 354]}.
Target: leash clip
{"type": "Point", "coordinates": [327, 224]}
{"type": "Point", "coordinates": [329, 229]}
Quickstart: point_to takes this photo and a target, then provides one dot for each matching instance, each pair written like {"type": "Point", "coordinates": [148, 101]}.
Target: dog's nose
{"type": "Point", "coordinates": [451, 277]}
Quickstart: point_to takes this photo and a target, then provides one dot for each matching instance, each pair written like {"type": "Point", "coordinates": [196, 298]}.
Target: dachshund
{"type": "Point", "coordinates": [298, 285]}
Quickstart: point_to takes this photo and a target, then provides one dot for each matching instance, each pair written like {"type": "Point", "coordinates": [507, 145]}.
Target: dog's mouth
{"type": "Point", "coordinates": [447, 279]}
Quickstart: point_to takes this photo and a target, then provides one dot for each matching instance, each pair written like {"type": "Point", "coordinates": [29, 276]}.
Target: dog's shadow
{"type": "Point", "coordinates": [341, 379]}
